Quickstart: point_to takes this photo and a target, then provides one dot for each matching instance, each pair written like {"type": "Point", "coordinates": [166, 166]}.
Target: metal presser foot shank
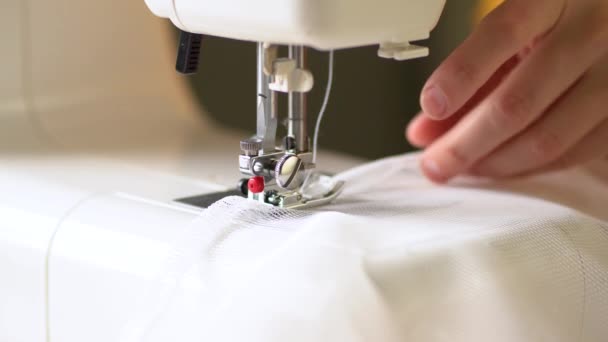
{"type": "Point", "coordinates": [283, 175]}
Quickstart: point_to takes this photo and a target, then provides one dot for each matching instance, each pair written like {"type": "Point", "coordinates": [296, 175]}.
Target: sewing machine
{"type": "Point", "coordinates": [102, 146]}
{"type": "Point", "coordinates": [99, 140]}
{"type": "Point", "coordinates": [281, 173]}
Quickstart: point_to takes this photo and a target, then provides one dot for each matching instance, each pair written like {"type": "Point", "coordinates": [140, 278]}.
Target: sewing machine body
{"type": "Point", "coordinates": [98, 138]}
{"type": "Point", "coordinates": [321, 24]}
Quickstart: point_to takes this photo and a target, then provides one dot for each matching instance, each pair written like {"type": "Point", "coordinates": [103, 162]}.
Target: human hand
{"type": "Point", "coordinates": [526, 92]}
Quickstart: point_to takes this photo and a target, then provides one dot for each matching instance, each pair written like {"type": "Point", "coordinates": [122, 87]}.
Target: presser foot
{"type": "Point", "coordinates": [296, 199]}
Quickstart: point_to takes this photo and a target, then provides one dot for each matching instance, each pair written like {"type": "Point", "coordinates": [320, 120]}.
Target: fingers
{"type": "Point", "coordinates": [559, 61]}
{"type": "Point", "coordinates": [423, 131]}
{"type": "Point", "coordinates": [503, 34]}
{"type": "Point", "coordinates": [573, 118]}
{"type": "Point", "coordinates": [592, 147]}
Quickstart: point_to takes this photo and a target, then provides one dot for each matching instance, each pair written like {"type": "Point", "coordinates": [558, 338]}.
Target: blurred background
{"type": "Point", "coordinates": [372, 98]}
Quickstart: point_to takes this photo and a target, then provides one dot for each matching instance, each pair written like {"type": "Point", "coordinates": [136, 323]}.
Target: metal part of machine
{"type": "Point", "coordinates": [278, 171]}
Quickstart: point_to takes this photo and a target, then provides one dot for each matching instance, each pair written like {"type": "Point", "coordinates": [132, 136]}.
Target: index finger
{"type": "Point", "coordinates": [500, 36]}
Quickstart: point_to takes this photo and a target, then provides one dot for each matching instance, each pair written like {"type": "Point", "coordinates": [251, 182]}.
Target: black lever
{"type": "Point", "coordinates": [188, 52]}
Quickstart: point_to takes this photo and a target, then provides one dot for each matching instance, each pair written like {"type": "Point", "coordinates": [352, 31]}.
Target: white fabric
{"type": "Point", "coordinates": [394, 259]}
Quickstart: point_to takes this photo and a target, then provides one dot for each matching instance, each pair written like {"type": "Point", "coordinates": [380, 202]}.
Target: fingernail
{"type": "Point", "coordinates": [434, 102]}
{"type": "Point", "coordinates": [432, 169]}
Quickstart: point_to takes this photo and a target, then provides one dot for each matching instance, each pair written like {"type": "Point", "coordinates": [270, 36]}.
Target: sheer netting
{"type": "Point", "coordinates": [394, 259]}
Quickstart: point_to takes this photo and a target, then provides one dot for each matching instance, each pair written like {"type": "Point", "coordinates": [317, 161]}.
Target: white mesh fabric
{"type": "Point", "coordinates": [394, 259]}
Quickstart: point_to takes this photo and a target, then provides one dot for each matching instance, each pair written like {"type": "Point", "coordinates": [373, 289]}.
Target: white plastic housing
{"type": "Point", "coordinates": [322, 24]}
{"type": "Point", "coordinates": [98, 137]}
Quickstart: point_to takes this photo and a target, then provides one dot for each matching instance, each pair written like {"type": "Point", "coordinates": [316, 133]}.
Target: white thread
{"type": "Point", "coordinates": [330, 79]}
